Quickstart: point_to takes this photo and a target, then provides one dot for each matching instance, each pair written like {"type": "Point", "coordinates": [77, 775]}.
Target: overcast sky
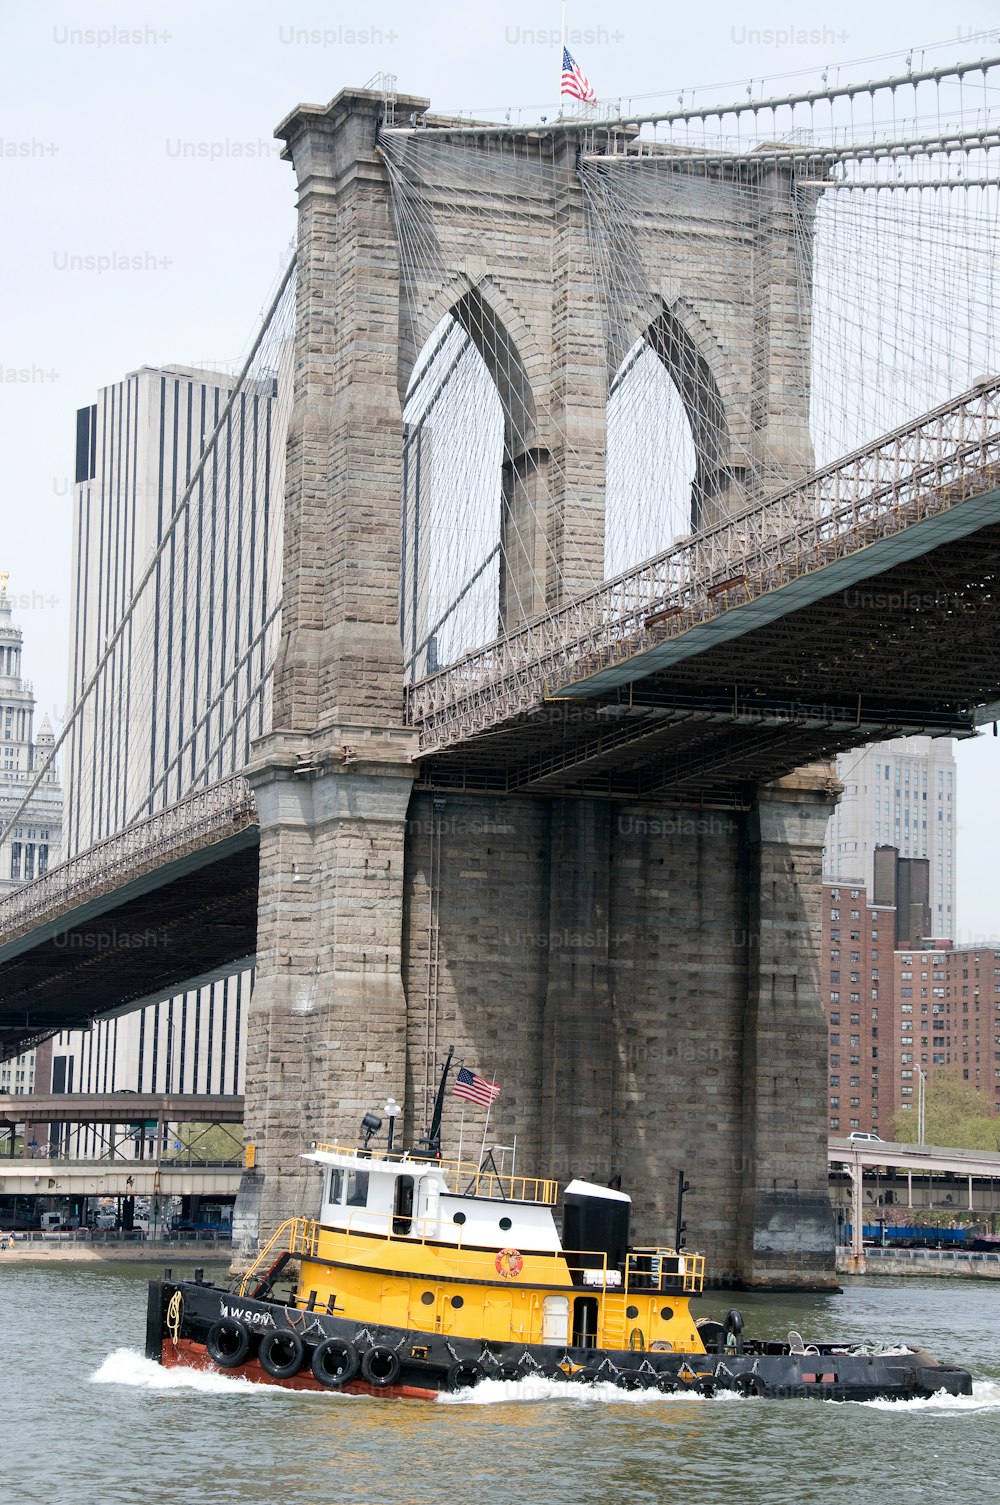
{"type": "Point", "coordinates": [137, 139]}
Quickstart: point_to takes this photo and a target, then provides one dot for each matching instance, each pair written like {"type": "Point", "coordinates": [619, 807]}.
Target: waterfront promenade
{"type": "Point", "coordinates": [111, 1248]}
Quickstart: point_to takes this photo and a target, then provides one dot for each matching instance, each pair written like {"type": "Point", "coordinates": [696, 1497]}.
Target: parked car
{"type": "Point", "coordinates": [860, 1134]}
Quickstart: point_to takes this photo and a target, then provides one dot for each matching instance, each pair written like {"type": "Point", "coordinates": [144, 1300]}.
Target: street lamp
{"type": "Point", "coordinates": [392, 1111]}
{"type": "Point", "coordinates": [921, 1104]}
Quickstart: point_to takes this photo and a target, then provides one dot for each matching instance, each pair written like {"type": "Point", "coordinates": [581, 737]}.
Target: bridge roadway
{"type": "Point", "coordinates": [856, 606]}
{"type": "Point", "coordinates": [858, 1155]}
{"type": "Point", "coordinates": [930, 1159]}
{"type": "Point", "coordinates": [116, 1178]}
{"type": "Point", "coordinates": [168, 904]}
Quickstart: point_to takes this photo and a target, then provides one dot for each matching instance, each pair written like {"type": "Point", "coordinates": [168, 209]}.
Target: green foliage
{"type": "Point", "coordinates": [956, 1115]}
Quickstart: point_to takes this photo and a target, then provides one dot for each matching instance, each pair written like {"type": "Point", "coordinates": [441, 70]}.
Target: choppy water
{"type": "Point", "coordinates": [86, 1420]}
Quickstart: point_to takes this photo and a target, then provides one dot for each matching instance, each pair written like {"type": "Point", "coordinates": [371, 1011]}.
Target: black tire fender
{"type": "Point", "coordinates": [380, 1366]}
{"type": "Point", "coordinates": [345, 1355]}
{"type": "Point", "coordinates": [750, 1385]}
{"type": "Point", "coordinates": [281, 1354]}
{"type": "Point", "coordinates": [228, 1342]}
{"type": "Point", "coordinates": [465, 1374]}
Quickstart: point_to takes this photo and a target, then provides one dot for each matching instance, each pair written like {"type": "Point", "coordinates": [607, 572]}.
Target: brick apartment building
{"type": "Point", "coordinates": [899, 1001]}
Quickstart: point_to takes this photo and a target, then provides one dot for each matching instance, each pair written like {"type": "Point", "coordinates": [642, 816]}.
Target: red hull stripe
{"type": "Point", "coordinates": [187, 1355]}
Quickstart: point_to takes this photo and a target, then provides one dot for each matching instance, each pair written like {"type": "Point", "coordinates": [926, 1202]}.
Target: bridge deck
{"type": "Point", "coordinates": [854, 606]}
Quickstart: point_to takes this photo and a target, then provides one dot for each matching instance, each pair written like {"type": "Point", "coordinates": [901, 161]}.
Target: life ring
{"type": "Point", "coordinates": [380, 1366]}
{"type": "Point", "coordinates": [228, 1342]}
{"type": "Point", "coordinates": [334, 1361]}
{"type": "Point", "coordinates": [750, 1385]}
{"type": "Point", "coordinates": [281, 1354]}
{"type": "Point", "coordinates": [509, 1263]}
{"type": "Point", "coordinates": [464, 1374]}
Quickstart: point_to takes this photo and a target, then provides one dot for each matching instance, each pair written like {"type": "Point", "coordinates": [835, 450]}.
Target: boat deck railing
{"type": "Point", "coordinates": [657, 1269]}
{"type": "Point", "coordinates": [464, 1178]}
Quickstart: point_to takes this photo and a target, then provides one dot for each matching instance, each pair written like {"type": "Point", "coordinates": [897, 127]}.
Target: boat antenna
{"type": "Point", "coordinates": [432, 1142]}
{"type": "Point", "coordinates": [682, 1187]}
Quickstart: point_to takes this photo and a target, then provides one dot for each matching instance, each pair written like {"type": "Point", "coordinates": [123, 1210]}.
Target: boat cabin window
{"type": "Point", "coordinates": [357, 1188]}
{"type": "Point", "coordinates": [335, 1186]}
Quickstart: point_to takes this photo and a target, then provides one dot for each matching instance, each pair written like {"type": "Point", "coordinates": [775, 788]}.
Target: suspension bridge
{"type": "Point", "coordinates": [634, 467]}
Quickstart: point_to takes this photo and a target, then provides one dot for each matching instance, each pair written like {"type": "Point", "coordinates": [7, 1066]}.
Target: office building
{"type": "Point", "coordinates": [898, 794]}
{"type": "Point", "coordinates": [187, 688]}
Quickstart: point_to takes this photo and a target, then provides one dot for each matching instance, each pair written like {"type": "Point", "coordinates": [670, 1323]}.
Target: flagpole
{"type": "Point", "coordinates": [461, 1131]}
{"type": "Point", "coordinates": [486, 1124]}
{"type": "Point", "coordinates": [562, 54]}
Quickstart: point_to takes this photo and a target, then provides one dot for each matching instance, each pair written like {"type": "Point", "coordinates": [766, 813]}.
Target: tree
{"type": "Point", "coordinates": [956, 1115]}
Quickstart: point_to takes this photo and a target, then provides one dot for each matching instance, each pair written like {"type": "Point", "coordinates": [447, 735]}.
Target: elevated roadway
{"type": "Point", "coordinates": [116, 1178]}
{"type": "Point", "coordinates": [856, 1156]}
{"type": "Point", "coordinates": [121, 1108]}
{"type": "Point", "coordinates": [164, 906]}
{"type": "Point", "coordinates": [856, 605]}
{"type": "Point", "coordinates": [930, 1159]}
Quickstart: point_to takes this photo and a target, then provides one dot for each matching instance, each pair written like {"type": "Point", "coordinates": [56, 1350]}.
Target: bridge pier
{"type": "Point", "coordinates": [785, 1231]}
{"type": "Point", "coordinates": [327, 1026]}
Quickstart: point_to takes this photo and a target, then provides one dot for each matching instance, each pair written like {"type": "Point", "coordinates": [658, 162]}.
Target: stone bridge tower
{"type": "Point", "coordinates": [643, 979]}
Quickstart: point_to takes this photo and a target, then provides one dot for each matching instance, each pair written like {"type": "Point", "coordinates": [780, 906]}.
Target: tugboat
{"type": "Point", "coordinates": [422, 1275]}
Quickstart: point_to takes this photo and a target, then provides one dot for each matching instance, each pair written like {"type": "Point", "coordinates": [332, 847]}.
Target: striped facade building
{"type": "Point", "coordinates": [186, 689]}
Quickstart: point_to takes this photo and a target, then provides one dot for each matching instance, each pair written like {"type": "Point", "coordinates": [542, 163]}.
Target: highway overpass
{"type": "Point", "coordinates": [116, 1178]}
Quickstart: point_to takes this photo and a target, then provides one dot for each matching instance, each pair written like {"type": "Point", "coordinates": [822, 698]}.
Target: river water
{"type": "Point", "coordinates": [86, 1420]}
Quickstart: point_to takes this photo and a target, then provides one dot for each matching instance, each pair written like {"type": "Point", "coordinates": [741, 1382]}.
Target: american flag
{"type": "Point", "coordinates": [574, 83]}
{"type": "Point", "coordinates": [475, 1088]}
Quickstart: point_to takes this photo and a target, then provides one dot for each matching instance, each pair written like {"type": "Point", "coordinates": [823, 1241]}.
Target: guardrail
{"type": "Point", "coordinates": [198, 1238]}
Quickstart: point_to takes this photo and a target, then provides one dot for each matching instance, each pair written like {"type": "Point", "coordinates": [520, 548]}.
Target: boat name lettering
{"type": "Point", "coordinates": [258, 1319]}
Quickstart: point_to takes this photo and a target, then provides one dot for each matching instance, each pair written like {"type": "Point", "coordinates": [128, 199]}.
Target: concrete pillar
{"type": "Point", "coordinates": [578, 1133]}
{"type": "Point", "coordinates": [785, 1222]}
{"type": "Point", "coordinates": [340, 657]}
{"type": "Point", "coordinates": [327, 1023]}
{"type": "Point", "coordinates": [579, 384]}
{"type": "Point", "coordinates": [327, 1034]}
{"type": "Point", "coordinates": [781, 364]}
